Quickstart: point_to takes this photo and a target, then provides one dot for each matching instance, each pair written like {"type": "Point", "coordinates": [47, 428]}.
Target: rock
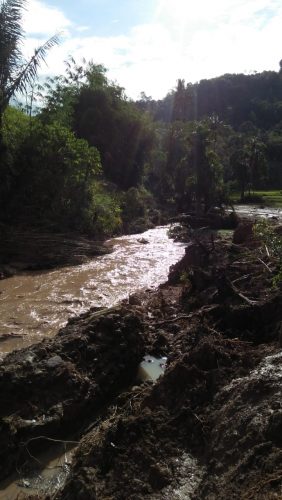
{"type": "Point", "coordinates": [143, 241]}
{"type": "Point", "coordinates": [54, 362]}
{"type": "Point", "coordinates": [134, 300]}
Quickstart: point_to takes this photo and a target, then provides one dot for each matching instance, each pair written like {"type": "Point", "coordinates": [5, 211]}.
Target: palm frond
{"type": "Point", "coordinates": [28, 73]}
{"type": "Point", "coordinates": [11, 35]}
{"type": "Point", "coordinates": [16, 74]}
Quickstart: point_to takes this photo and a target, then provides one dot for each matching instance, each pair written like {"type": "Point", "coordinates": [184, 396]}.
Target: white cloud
{"type": "Point", "coordinates": [43, 19]}
{"type": "Point", "coordinates": [82, 28]}
{"type": "Point", "coordinates": [189, 39]}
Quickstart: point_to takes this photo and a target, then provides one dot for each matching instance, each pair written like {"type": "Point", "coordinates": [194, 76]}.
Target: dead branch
{"type": "Point", "coordinates": [26, 443]}
{"type": "Point", "coordinates": [239, 294]}
{"type": "Point", "coordinates": [172, 320]}
{"type": "Point", "coordinates": [265, 265]}
{"type": "Point", "coordinates": [246, 276]}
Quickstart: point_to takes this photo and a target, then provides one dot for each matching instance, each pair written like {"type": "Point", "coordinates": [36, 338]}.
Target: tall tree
{"type": "Point", "coordinates": [248, 162]}
{"type": "Point", "coordinates": [16, 74]}
{"type": "Point", "coordinates": [207, 164]}
{"type": "Point", "coordinates": [181, 101]}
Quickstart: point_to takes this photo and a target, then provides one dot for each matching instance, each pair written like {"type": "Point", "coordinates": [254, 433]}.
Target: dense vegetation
{"type": "Point", "coordinates": [79, 155]}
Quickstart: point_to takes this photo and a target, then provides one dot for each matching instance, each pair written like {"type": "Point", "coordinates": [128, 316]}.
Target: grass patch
{"type": "Point", "coordinates": [268, 198]}
{"type": "Point", "coordinates": [225, 234]}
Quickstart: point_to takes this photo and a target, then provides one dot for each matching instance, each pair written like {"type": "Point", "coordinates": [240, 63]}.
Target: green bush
{"type": "Point", "coordinates": [136, 205]}
{"type": "Point", "coordinates": [273, 245]}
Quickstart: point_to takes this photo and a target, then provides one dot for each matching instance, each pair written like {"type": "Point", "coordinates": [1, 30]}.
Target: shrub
{"type": "Point", "coordinates": [272, 243]}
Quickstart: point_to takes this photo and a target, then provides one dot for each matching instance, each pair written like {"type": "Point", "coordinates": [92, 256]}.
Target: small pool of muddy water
{"type": "Point", "coordinates": [47, 473]}
{"type": "Point", "coordinates": [151, 368]}
{"type": "Point", "coordinates": [35, 305]}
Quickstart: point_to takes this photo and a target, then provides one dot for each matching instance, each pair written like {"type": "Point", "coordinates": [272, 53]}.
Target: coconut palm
{"type": "Point", "coordinates": [16, 74]}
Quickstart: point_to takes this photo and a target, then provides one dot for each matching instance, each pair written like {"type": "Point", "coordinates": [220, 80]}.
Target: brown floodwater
{"type": "Point", "coordinates": [35, 305]}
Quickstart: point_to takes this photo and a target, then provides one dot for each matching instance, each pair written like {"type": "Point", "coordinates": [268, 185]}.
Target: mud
{"type": "Point", "coordinates": [245, 455]}
{"type": "Point", "coordinates": [51, 388]}
{"type": "Point", "coordinates": [209, 428]}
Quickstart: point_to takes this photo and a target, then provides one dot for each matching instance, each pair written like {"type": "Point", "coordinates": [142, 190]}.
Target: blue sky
{"type": "Point", "coordinates": [148, 44]}
{"type": "Point", "coordinates": [106, 17]}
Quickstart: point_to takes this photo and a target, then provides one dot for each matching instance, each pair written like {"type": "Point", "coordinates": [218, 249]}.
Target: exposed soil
{"type": "Point", "coordinates": [209, 428]}
{"type": "Point", "coordinates": [50, 388]}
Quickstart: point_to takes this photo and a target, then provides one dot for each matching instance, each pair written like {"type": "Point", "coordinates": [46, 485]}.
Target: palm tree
{"type": "Point", "coordinates": [16, 74]}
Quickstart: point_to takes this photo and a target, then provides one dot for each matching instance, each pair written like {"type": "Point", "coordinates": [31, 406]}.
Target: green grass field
{"type": "Point", "coordinates": [269, 198]}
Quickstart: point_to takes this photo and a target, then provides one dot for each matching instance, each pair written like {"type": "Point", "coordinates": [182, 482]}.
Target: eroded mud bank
{"type": "Point", "coordinates": [50, 388]}
{"type": "Point", "coordinates": [210, 427]}
{"type": "Point", "coordinates": [32, 250]}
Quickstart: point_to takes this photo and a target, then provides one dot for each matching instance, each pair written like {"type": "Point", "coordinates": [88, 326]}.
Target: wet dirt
{"type": "Point", "coordinates": [215, 411]}
{"type": "Point", "coordinates": [209, 428]}
{"type": "Point", "coordinates": [49, 389]}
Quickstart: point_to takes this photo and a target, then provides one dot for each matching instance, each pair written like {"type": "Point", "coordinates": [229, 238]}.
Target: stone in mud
{"type": "Point", "coordinates": [143, 241]}
{"type": "Point", "coordinates": [54, 362]}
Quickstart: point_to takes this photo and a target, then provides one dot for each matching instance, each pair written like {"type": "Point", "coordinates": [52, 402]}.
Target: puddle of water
{"type": "Point", "coordinates": [151, 368]}
{"type": "Point", "coordinates": [36, 305]}
{"type": "Point", "coordinates": [47, 475]}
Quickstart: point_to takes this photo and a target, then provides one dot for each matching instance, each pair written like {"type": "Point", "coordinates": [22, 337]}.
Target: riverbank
{"type": "Point", "coordinates": [30, 250]}
{"type": "Point", "coordinates": [209, 428]}
{"type": "Point", "coordinates": [25, 248]}
{"type": "Point", "coordinates": [36, 304]}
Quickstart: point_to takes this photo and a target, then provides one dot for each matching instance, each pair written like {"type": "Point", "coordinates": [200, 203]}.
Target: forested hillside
{"type": "Point", "coordinates": [236, 99]}
{"type": "Point", "coordinates": [77, 154]}
{"type": "Point", "coordinates": [242, 115]}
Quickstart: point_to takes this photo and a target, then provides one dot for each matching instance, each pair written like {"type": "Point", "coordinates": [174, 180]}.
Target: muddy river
{"type": "Point", "coordinates": [35, 305]}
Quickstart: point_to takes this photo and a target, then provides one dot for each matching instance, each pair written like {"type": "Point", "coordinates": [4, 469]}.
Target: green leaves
{"type": "Point", "coordinates": [272, 243]}
{"type": "Point", "coordinates": [16, 74]}
{"type": "Point", "coordinates": [248, 162]}
{"type": "Point", "coordinates": [28, 73]}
